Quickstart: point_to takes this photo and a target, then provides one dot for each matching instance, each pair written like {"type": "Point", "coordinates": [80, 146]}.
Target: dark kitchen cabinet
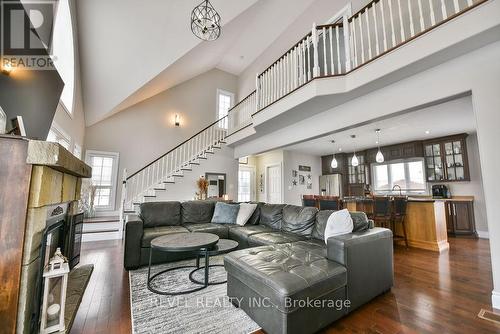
{"type": "Point", "coordinates": [395, 152]}
{"type": "Point", "coordinates": [446, 159]}
{"type": "Point", "coordinates": [460, 218]}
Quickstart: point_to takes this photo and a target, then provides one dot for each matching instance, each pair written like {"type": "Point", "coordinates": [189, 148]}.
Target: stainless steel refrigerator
{"type": "Point", "coordinates": [330, 185]}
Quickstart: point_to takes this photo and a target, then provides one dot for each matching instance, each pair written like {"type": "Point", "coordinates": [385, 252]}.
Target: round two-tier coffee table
{"type": "Point", "coordinates": [200, 244]}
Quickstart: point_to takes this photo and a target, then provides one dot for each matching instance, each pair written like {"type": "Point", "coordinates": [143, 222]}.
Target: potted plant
{"type": "Point", "coordinates": [87, 198]}
{"type": "Point", "coordinates": [202, 185]}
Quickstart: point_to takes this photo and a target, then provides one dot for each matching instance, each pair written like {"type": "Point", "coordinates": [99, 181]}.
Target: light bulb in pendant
{"type": "Point", "coordinates": [355, 161]}
{"type": "Point", "coordinates": [380, 157]}
{"type": "Point", "coordinates": [334, 163]}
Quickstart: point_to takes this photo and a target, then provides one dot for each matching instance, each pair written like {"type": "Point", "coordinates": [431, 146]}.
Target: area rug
{"type": "Point", "coordinates": [205, 311]}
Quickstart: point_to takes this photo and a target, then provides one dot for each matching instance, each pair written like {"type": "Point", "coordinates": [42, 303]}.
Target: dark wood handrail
{"type": "Point", "coordinates": [237, 104]}
{"type": "Point", "coordinates": [185, 141]}
{"type": "Point", "coordinates": [303, 38]}
{"type": "Point", "coordinates": [371, 3]}
{"type": "Point", "coordinates": [333, 25]}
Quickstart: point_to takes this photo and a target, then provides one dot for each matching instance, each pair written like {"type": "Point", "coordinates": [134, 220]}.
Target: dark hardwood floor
{"type": "Point", "coordinates": [432, 293]}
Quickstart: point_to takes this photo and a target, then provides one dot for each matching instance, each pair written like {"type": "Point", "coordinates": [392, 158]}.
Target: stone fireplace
{"type": "Point", "coordinates": [46, 184]}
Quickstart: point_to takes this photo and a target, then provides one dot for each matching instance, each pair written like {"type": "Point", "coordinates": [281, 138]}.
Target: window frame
{"type": "Point", "coordinates": [217, 109]}
{"type": "Point", "coordinates": [405, 190]}
{"type": "Point", "coordinates": [114, 176]}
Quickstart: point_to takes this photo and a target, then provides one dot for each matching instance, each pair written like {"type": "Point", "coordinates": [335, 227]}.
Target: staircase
{"type": "Point", "coordinates": [144, 185]}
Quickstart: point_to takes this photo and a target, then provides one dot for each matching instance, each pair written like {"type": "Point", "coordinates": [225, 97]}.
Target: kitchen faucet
{"type": "Point", "coordinates": [398, 186]}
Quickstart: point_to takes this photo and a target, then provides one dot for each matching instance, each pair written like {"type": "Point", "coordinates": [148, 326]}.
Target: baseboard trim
{"type": "Point", "coordinates": [483, 234]}
{"type": "Point", "coordinates": [495, 299]}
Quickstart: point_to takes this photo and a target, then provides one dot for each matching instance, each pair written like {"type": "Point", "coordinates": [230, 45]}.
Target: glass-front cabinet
{"type": "Point", "coordinates": [357, 174]}
{"type": "Point", "coordinates": [446, 159]}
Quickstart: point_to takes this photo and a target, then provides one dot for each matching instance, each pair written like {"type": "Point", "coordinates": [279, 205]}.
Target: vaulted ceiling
{"type": "Point", "coordinates": [131, 50]}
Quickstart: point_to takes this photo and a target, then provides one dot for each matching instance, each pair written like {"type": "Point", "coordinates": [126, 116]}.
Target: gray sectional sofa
{"type": "Point", "coordinates": [284, 275]}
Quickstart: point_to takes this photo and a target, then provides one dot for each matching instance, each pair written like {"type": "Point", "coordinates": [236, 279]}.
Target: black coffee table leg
{"type": "Point", "coordinates": [170, 293]}
{"type": "Point", "coordinates": [207, 267]}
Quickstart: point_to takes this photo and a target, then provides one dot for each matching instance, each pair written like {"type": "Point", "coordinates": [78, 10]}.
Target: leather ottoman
{"type": "Point", "coordinates": [287, 288]}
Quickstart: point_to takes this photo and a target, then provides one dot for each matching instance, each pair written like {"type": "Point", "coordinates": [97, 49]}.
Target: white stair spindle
{"type": "Point", "coordinates": [443, 10]}
{"type": "Point", "coordinates": [337, 38]}
{"type": "Point", "coordinates": [384, 31]}
{"type": "Point", "coordinates": [368, 33]}
{"type": "Point", "coordinates": [295, 68]}
{"type": "Point", "coordinates": [391, 14]}
{"type": "Point", "coordinates": [354, 42]}
{"type": "Point", "coordinates": [410, 13]}
{"type": "Point", "coordinates": [361, 38]}
{"type": "Point", "coordinates": [347, 43]}
{"type": "Point", "coordinates": [308, 60]}
{"type": "Point", "coordinates": [401, 22]}
{"type": "Point", "coordinates": [304, 62]}
{"type": "Point", "coordinates": [421, 16]}
{"type": "Point", "coordinates": [433, 16]}
{"type": "Point", "coordinates": [332, 67]}
{"type": "Point", "coordinates": [375, 23]}
{"type": "Point", "coordinates": [325, 71]}
{"type": "Point", "coordinates": [456, 6]}
{"type": "Point", "coordinates": [469, 3]}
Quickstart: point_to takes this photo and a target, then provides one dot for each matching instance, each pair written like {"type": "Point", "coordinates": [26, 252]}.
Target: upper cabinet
{"type": "Point", "coordinates": [446, 159]}
{"type": "Point", "coordinates": [357, 174]}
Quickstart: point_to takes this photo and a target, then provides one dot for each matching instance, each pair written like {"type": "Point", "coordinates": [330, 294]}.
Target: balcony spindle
{"type": "Point", "coordinates": [469, 3]}
{"type": "Point", "coordinates": [410, 13]}
{"type": "Point", "coordinates": [354, 42]}
{"type": "Point", "coordinates": [347, 43]}
{"type": "Point", "coordinates": [330, 34]}
{"type": "Point", "coordinates": [375, 22]}
{"type": "Point", "coordinates": [361, 39]}
{"type": "Point", "coordinates": [339, 64]}
{"type": "Point", "coordinates": [433, 16]}
{"type": "Point", "coordinates": [401, 22]}
{"type": "Point", "coordinates": [368, 32]}
{"type": "Point", "coordinates": [456, 6]}
{"type": "Point", "coordinates": [421, 16]}
{"type": "Point", "coordinates": [384, 32]}
{"type": "Point", "coordinates": [392, 24]}
{"type": "Point", "coordinates": [304, 62]}
{"type": "Point", "coordinates": [443, 10]}
{"type": "Point", "coordinates": [325, 71]}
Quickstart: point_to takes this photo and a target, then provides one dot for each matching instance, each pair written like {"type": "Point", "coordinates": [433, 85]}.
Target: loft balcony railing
{"type": "Point", "coordinates": [344, 46]}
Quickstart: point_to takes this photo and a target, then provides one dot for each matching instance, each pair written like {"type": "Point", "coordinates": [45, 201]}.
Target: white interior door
{"type": "Point", "coordinates": [273, 184]}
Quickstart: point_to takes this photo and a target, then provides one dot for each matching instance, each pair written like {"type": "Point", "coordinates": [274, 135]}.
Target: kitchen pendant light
{"type": "Point", "coordinates": [334, 163]}
{"type": "Point", "coordinates": [379, 157]}
{"type": "Point", "coordinates": [355, 160]}
{"type": "Point", "coordinates": [205, 22]}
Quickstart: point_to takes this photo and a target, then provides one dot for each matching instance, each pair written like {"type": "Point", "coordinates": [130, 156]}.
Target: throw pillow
{"type": "Point", "coordinates": [339, 222]}
{"type": "Point", "coordinates": [360, 221]}
{"type": "Point", "coordinates": [245, 212]}
{"type": "Point", "coordinates": [225, 213]}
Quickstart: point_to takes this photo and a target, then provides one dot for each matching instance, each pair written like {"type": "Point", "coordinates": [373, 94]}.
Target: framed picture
{"type": "Point", "coordinates": [294, 173]}
{"type": "Point", "coordinates": [302, 180]}
{"type": "Point", "coordinates": [304, 168]}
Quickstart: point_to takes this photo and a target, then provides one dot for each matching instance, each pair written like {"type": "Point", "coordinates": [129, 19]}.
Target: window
{"type": "Point", "coordinates": [104, 172]}
{"type": "Point", "coordinates": [56, 135]}
{"type": "Point", "coordinates": [408, 174]}
{"type": "Point", "coordinates": [225, 101]}
{"type": "Point", "coordinates": [64, 53]}
{"type": "Point", "coordinates": [245, 184]}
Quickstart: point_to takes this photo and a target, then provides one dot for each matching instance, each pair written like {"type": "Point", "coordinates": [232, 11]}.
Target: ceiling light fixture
{"type": "Point", "coordinates": [355, 160]}
{"type": "Point", "coordinates": [205, 22]}
{"type": "Point", "coordinates": [177, 120]}
{"type": "Point", "coordinates": [334, 163]}
{"type": "Point", "coordinates": [379, 157]}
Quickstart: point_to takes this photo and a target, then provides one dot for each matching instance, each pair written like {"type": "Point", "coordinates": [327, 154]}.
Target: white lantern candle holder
{"type": "Point", "coordinates": [55, 277]}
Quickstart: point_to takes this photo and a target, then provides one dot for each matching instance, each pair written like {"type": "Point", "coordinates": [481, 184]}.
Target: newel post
{"type": "Point", "coordinates": [257, 93]}
{"type": "Point", "coordinates": [347, 44]}
{"type": "Point", "coordinates": [124, 198]}
{"type": "Point", "coordinates": [315, 51]}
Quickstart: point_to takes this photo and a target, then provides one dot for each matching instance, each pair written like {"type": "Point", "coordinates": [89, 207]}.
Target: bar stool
{"type": "Point", "coordinates": [398, 217]}
{"type": "Point", "coordinates": [309, 200]}
{"type": "Point", "coordinates": [329, 203]}
{"type": "Point", "coordinates": [382, 211]}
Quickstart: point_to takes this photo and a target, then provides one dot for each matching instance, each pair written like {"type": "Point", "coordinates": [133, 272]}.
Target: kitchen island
{"type": "Point", "coordinates": [426, 220]}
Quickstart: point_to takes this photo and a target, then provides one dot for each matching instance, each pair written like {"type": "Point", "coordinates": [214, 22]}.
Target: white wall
{"type": "Point", "coordinates": [262, 161]}
{"type": "Point", "coordinates": [146, 130]}
{"type": "Point", "coordinates": [474, 187]}
{"type": "Point", "coordinates": [292, 160]}
{"type": "Point", "coordinates": [184, 189]}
